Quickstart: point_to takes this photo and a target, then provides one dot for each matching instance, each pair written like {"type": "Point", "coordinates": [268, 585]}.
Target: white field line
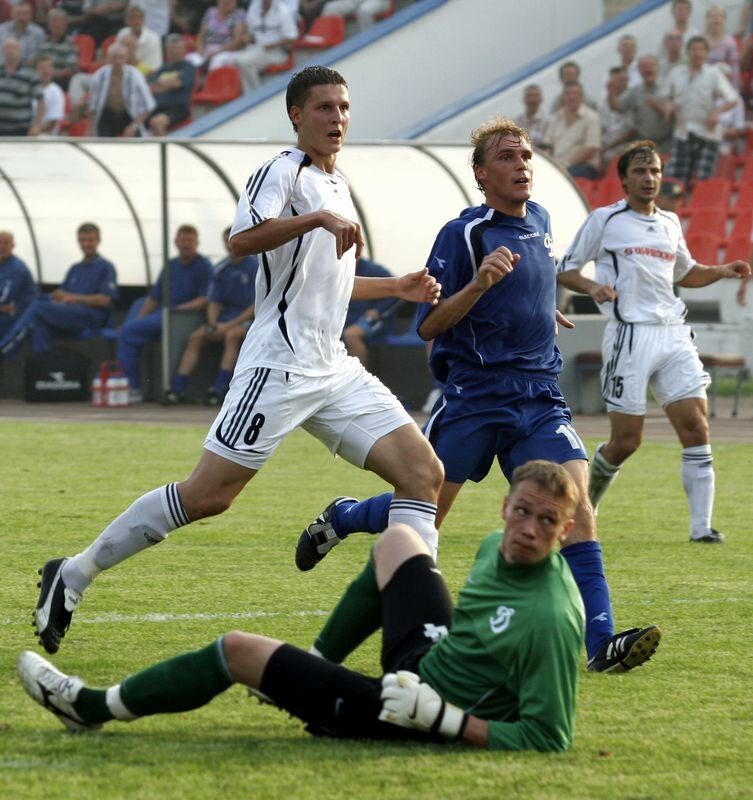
{"type": "Point", "coordinates": [110, 618]}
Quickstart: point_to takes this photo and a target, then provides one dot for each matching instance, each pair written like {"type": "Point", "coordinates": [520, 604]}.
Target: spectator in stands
{"type": "Point", "coordinates": [672, 53]}
{"type": "Point", "coordinates": [27, 33]}
{"type": "Point", "coordinates": [645, 107]}
{"type": "Point", "coordinates": [5, 7]}
{"type": "Point", "coordinates": [75, 11]}
{"type": "Point", "coordinates": [696, 95]}
{"type": "Point", "coordinates": [120, 98]}
{"type": "Point", "coordinates": [148, 42]}
{"type": "Point", "coordinates": [682, 11]}
{"type": "Point", "coordinates": [569, 71]}
{"type": "Point", "coordinates": [158, 15]}
{"type": "Point", "coordinates": [272, 30]}
{"type": "Point", "coordinates": [83, 300]}
{"type": "Point", "coordinates": [103, 18]}
{"type": "Point", "coordinates": [616, 123]}
{"type": "Point", "coordinates": [54, 98]}
{"type": "Point", "coordinates": [190, 274]}
{"type": "Point", "coordinates": [223, 29]}
{"type": "Point", "coordinates": [722, 47]}
{"type": "Point", "coordinates": [308, 11]}
{"type": "Point", "coordinates": [363, 10]}
{"type": "Point", "coordinates": [60, 47]}
{"type": "Point", "coordinates": [188, 14]}
{"type": "Point", "coordinates": [627, 49]}
{"type": "Point", "coordinates": [533, 119]}
{"type": "Point", "coordinates": [364, 323]}
{"type": "Point", "coordinates": [172, 86]}
{"type": "Point", "coordinates": [230, 312]}
{"type": "Point", "coordinates": [573, 135]}
{"type": "Point", "coordinates": [19, 88]}
{"type": "Point", "coordinates": [17, 287]}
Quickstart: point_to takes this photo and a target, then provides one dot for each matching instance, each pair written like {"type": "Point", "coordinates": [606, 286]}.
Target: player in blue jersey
{"type": "Point", "coordinates": [493, 334]}
{"type": "Point", "coordinates": [82, 301]}
{"type": "Point", "coordinates": [190, 274]}
{"type": "Point", "coordinates": [17, 287]}
{"type": "Point", "coordinates": [230, 312]}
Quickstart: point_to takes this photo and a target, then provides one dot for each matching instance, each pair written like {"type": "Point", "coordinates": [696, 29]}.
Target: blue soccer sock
{"type": "Point", "coordinates": [222, 381]}
{"type": "Point", "coordinates": [179, 383]}
{"type": "Point", "coordinates": [367, 516]}
{"type": "Point", "coordinates": [587, 565]}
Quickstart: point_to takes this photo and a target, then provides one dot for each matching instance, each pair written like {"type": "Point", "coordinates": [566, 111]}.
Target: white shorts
{"type": "Point", "coordinates": [638, 356]}
{"type": "Point", "coordinates": [347, 412]}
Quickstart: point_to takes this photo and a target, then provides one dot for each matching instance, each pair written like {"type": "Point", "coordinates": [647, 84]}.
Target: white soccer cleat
{"type": "Point", "coordinates": [53, 690]}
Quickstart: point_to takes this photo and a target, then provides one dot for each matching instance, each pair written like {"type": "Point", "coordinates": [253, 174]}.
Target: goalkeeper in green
{"type": "Point", "coordinates": [500, 671]}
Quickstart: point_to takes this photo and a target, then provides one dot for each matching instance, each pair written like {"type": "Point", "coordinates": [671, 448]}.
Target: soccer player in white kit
{"type": "Point", "coordinates": [640, 254]}
{"type": "Point", "coordinates": [293, 371]}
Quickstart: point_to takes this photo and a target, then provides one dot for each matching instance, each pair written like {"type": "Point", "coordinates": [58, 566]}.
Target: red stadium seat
{"type": "Point", "coordinates": [388, 12]}
{"type": "Point", "coordinates": [221, 86]}
{"type": "Point", "coordinates": [738, 247]}
{"type": "Point", "coordinates": [711, 193]}
{"type": "Point", "coordinates": [325, 32]}
{"type": "Point", "coordinates": [743, 223]}
{"type": "Point", "coordinates": [588, 188]}
{"type": "Point", "coordinates": [87, 49]}
{"type": "Point", "coordinates": [712, 221]}
{"type": "Point", "coordinates": [704, 247]}
{"type": "Point", "coordinates": [609, 191]}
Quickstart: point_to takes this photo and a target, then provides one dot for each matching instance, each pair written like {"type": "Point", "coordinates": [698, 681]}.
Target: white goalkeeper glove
{"type": "Point", "coordinates": [408, 702]}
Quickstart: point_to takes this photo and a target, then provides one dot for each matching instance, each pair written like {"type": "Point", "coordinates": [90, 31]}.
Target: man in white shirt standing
{"type": "Point", "coordinates": [640, 254]}
{"type": "Point", "coordinates": [54, 97]}
{"type": "Point", "coordinates": [696, 94]}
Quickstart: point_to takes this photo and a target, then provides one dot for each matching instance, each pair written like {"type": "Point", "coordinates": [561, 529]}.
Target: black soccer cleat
{"type": "Point", "coordinates": [712, 537]}
{"type": "Point", "coordinates": [319, 537]}
{"type": "Point", "coordinates": [627, 650]}
{"type": "Point", "coordinates": [55, 607]}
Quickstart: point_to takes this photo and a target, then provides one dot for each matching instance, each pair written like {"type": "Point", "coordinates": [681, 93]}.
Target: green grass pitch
{"type": "Point", "coordinates": [680, 727]}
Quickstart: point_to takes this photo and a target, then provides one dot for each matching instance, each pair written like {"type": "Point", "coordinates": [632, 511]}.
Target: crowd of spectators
{"type": "Point", "coordinates": [107, 57]}
{"type": "Point", "coordinates": [693, 98]}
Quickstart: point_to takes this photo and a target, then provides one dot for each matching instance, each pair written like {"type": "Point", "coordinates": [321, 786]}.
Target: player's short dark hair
{"type": "Point", "coordinates": [187, 228]}
{"type": "Point", "coordinates": [87, 227]}
{"type": "Point", "coordinates": [496, 126]}
{"type": "Point", "coordinates": [644, 149]}
{"type": "Point", "coordinates": [550, 477]}
{"type": "Point", "coordinates": [304, 81]}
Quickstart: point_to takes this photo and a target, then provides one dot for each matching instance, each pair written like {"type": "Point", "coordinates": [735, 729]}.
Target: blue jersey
{"type": "Point", "coordinates": [357, 308]}
{"type": "Point", "coordinates": [93, 276]}
{"type": "Point", "coordinates": [512, 326]}
{"type": "Point", "coordinates": [233, 285]}
{"type": "Point", "coordinates": [16, 284]}
{"type": "Point", "coordinates": [187, 281]}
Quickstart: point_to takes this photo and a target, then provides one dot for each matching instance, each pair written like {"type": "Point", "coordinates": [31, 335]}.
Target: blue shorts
{"type": "Point", "coordinates": [512, 416]}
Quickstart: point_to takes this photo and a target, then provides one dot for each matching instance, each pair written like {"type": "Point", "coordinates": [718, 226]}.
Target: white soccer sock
{"type": "Point", "coordinates": [116, 705]}
{"type": "Point", "coordinates": [698, 481]}
{"type": "Point", "coordinates": [146, 522]}
{"type": "Point", "coordinates": [419, 515]}
{"type": "Point", "coordinates": [600, 477]}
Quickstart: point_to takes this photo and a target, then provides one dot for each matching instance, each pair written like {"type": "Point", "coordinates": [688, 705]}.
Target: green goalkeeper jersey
{"type": "Point", "coordinates": [512, 654]}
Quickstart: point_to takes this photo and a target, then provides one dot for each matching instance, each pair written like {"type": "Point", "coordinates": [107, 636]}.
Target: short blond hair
{"type": "Point", "coordinates": [549, 477]}
{"type": "Point", "coordinates": [492, 128]}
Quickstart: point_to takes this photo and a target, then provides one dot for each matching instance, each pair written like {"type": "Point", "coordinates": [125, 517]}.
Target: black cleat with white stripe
{"type": "Point", "coordinates": [626, 650]}
{"type": "Point", "coordinates": [319, 537]}
{"type": "Point", "coordinates": [55, 607]}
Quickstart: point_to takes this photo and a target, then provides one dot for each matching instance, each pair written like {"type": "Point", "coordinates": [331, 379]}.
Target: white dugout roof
{"type": "Point", "coordinates": [139, 192]}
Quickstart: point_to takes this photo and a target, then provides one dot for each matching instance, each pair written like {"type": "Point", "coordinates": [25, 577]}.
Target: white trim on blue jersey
{"type": "Point", "coordinates": [302, 288]}
{"type": "Point", "coordinates": [640, 256]}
